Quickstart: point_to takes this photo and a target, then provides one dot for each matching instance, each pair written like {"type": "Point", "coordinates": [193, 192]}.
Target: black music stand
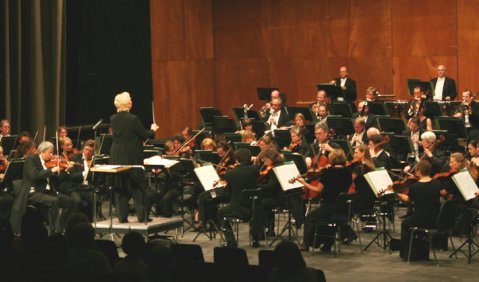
{"type": "Point", "coordinates": [106, 140]}
{"type": "Point", "coordinates": [378, 108]}
{"type": "Point", "coordinates": [341, 125]}
{"type": "Point", "coordinates": [238, 112]}
{"type": "Point", "coordinates": [346, 146]}
{"type": "Point", "coordinates": [282, 137]}
{"type": "Point", "coordinates": [402, 145]}
{"type": "Point", "coordinates": [97, 182]}
{"type": "Point", "coordinates": [259, 127]}
{"type": "Point", "coordinates": [253, 149]}
{"type": "Point", "coordinates": [207, 114]}
{"type": "Point", "coordinates": [297, 159]}
{"type": "Point", "coordinates": [470, 245]}
{"type": "Point", "coordinates": [449, 144]}
{"type": "Point", "coordinates": [388, 124]}
{"type": "Point", "coordinates": [222, 124]}
{"type": "Point", "coordinates": [381, 209]}
{"type": "Point", "coordinates": [207, 156]}
{"type": "Point", "coordinates": [305, 111]}
{"type": "Point", "coordinates": [453, 125]}
{"type": "Point", "coordinates": [411, 83]}
{"type": "Point", "coordinates": [289, 226]}
{"type": "Point", "coordinates": [8, 143]}
{"type": "Point", "coordinates": [333, 91]}
{"type": "Point", "coordinates": [433, 109]}
{"type": "Point", "coordinates": [264, 93]}
{"type": "Point", "coordinates": [232, 137]}
{"type": "Point", "coordinates": [309, 133]}
{"type": "Point", "coordinates": [13, 172]}
{"type": "Point", "coordinates": [340, 109]}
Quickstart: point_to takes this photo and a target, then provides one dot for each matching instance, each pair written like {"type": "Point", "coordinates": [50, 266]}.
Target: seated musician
{"type": "Point", "coordinates": [365, 199]}
{"type": "Point", "coordinates": [425, 194]}
{"type": "Point", "coordinates": [4, 128]}
{"type": "Point", "coordinates": [334, 180]}
{"type": "Point", "coordinates": [425, 122]}
{"type": "Point", "coordinates": [418, 96]}
{"type": "Point", "coordinates": [209, 200]}
{"type": "Point", "coordinates": [299, 145]}
{"type": "Point", "coordinates": [208, 144]}
{"type": "Point", "coordinates": [431, 153]}
{"type": "Point", "coordinates": [363, 111]}
{"type": "Point", "coordinates": [321, 112]}
{"type": "Point", "coordinates": [265, 143]}
{"type": "Point", "coordinates": [380, 157]}
{"type": "Point", "coordinates": [457, 162]}
{"type": "Point", "coordinates": [414, 132]}
{"type": "Point", "coordinates": [169, 148]}
{"type": "Point", "coordinates": [360, 136]}
{"type": "Point", "coordinates": [62, 132]}
{"type": "Point", "coordinates": [372, 94]}
{"type": "Point", "coordinates": [41, 182]}
{"type": "Point", "coordinates": [67, 149]}
{"type": "Point", "coordinates": [243, 176]}
{"type": "Point", "coordinates": [277, 117]}
{"type": "Point", "coordinates": [6, 199]}
{"type": "Point", "coordinates": [184, 152]}
{"type": "Point", "coordinates": [26, 150]}
{"type": "Point", "coordinates": [247, 124]}
{"type": "Point", "coordinates": [247, 136]}
{"type": "Point", "coordinates": [469, 111]}
{"type": "Point", "coordinates": [321, 144]}
{"type": "Point", "coordinates": [472, 152]}
{"type": "Point", "coordinates": [78, 188]}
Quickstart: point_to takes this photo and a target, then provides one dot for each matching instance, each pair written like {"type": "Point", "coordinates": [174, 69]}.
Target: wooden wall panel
{"type": "Point", "coordinates": [199, 32]}
{"type": "Point", "coordinates": [468, 44]}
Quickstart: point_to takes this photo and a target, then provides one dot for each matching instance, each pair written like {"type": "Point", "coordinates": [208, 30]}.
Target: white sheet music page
{"type": "Point", "coordinates": [379, 180]}
{"type": "Point", "coordinates": [158, 160]}
{"type": "Point", "coordinates": [466, 184]}
{"type": "Point", "coordinates": [207, 176]}
{"type": "Point", "coordinates": [285, 173]}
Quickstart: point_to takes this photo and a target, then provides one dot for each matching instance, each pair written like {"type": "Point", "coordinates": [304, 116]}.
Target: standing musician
{"type": "Point", "coordinates": [425, 194]}
{"type": "Point", "coordinates": [78, 189]}
{"type": "Point", "coordinates": [127, 149]}
{"type": "Point", "coordinates": [347, 85]}
{"type": "Point", "coordinates": [277, 117]}
{"type": "Point", "coordinates": [334, 180]}
{"type": "Point", "coordinates": [363, 111]}
{"type": "Point", "coordinates": [431, 153]}
{"type": "Point", "coordinates": [243, 176]}
{"type": "Point", "coordinates": [360, 136]}
{"type": "Point", "coordinates": [42, 182]}
{"type": "Point", "coordinates": [444, 87]}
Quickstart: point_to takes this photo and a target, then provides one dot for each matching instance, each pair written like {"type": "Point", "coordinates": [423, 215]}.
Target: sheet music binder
{"type": "Point", "coordinates": [253, 149]}
{"type": "Point", "coordinates": [297, 159]}
{"type": "Point", "coordinates": [14, 171]}
{"type": "Point", "coordinates": [453, 125]}
{"type": "Point", "coordinates": [379, 180]}
{"type": "Point", "coordinates": [284, 174]}
{"type": "Point", "coordinates": [466, 184]}
{"type": "Point", "coordinates": [341, 109]}
{"type": "Point", "coordinates": [207, 176]}
{"type": "Point", "coordinates": [305, 111]}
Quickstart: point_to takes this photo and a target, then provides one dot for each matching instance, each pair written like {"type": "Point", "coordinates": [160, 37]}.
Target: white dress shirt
{"type": "Point", "coordinates": [438, 89]}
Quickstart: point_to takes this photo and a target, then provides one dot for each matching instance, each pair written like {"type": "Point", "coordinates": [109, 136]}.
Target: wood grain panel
{"type": "Point", "coordinates": [468, 44]}
{"type": "Point", "coordinates": [199, 29]}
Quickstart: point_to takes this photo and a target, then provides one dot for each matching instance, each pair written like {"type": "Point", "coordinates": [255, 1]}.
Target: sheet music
{"type": "Point", "coordinates": [379, 180]}
{"type": "Point", "coordinates": [108, 166]}
{"type": "Point", "coordinates": [207, 176]}
{"type": "Point", "coordinates": [158, 160]}
{"type": "Point", "coordinates": [465, 183]}
{"type": "Point", "coordinates": [285, 173]}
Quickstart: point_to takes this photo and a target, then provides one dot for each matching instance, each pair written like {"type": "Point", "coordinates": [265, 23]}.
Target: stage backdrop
{"type": "Point", "coordinates": [215, 53]}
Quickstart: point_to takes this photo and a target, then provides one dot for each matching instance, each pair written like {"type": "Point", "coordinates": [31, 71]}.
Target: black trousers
{"type": "Point", "coordinates": [6, 203]}
{"type": "Point", "coordinates": [324, 212]}
{"type": "Point", "coordinates": [208, 206]}
{"type": "Point", "coordinates": [83, 200]}
{"type": "Point", "coordinates": [55, 202]}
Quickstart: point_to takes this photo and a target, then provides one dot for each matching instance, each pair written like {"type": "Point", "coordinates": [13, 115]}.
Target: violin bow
{"type": "Point", "coordinates": [189, 140]}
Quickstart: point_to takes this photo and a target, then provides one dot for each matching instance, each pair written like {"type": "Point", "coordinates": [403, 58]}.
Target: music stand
{"type": "Point", "coordinates": [222, 124]}
{"type": "Point", "coordinates": [340, 109]}
{"type": "Point", "coordinates": [433, 109]}
{"type": "Point", "coordinates": [346, 146]}
{"type": "Point", "coordinates": [232, 137]}
{"type": "Point", "coordinates": [238, 112]}
{"type": "Point", "coordinates": [453, 125]}
{"type": "Point", "coordinates": [378, 108]}
{"type": "Point", "coordinates": [282, 137]}
{"type": "Point", "coordinates": [8, 143]}
{"type": "Point", "coordinates": [259, 127]}
{"type": "Point", "coordinates": [97, 182]}
{"type": "Point", "coordinates": [305, 111]}
{"type": "Point", "coordinates": [411, 83]}
{"type": "Point", "coordinates": [199, 138]}
{"type": "Point", "coordinates": [106, 140]}
{"type": "Point", "coordinates": [255, 150]}
{"type": "Point", "coordinates": [388, 124]}
{"type": "Point", "coordinates": [402, 145]}
{"type": "Point", "coordinates": [13, 172]}
{"type": "Point", "coordinates": [297, 159]}
{"type": "Point", "coordinates": [207, 156]}
{"type": "Point", "coordinates": [309, 132]}
{"type": "Point", "coordinates": [449, 143]}
{"type": "Point", "coordinates": [341, 125]}
{"type": "Point", "coordinates": [382, 203]}
{"type": "Point", "coordinates": [207, 114]}
{"type": "Point", "coordinates": [264, 93]}
{"type": "Point", "coordinates": [333, 91]}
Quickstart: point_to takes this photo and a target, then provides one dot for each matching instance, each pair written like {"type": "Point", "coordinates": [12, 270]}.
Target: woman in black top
{"type": "Point", "coordinates": [334, 181]}
{"type": "Point", "coordinates": [127, 149]}
{"type": "Point", "coordinates": [365, 198]}
{"type": "Point", "coordinates": [425, 194]}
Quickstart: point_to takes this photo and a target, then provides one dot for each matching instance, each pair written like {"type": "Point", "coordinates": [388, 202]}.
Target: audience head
{"type": "Point", "coordinates": [133, 244]}
{"type": "Point", "coordinates": [288, 257]}
{"type": "Point", "coordinates": [82, 235]}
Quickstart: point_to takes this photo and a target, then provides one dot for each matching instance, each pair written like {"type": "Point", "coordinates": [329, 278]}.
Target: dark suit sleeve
{"type": "Point", "coordinates": [141, 131]}
{"type": "Point", "coordinates": [34, 172]}
{"type": "Point", "coordinates": [452, 90]}
{"type": "Point", "coordinates": [350, 92]}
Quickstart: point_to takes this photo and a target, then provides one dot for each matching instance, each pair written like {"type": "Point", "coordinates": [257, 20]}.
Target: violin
{"type": "Point", "coordinates": [57, 161]}
{"type": "Point", "coordinates": [3, 165]}
{"type": "Point", "coordinates": [263, 173]}
{"type": "Point", "coordinates": [400, 186]}
{"type": "Point", "coordinates": [70, 154]}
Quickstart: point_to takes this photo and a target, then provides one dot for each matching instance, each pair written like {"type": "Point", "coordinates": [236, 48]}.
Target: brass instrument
{"type": "Point", "coordinates": [466, 111]}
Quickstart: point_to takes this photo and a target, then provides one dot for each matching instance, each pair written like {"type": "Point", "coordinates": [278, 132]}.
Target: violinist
{"type": "Point", "coordinates": [334, 180]}
{"type": "Point", "coordinates": [265, 143]}
{"type": "Point", "coordinates": [247, 136]}
{"type": "Point", "coordinates": [457, 162]}
{"type": "Point", "coordinates": [3, 163]}
{"type": "Point", "coordinates": [67, 150]}
{"type": "Point", "coordinates": [472, 152]}
{"type": "Point", "coordinates": [246, 124]}
{"type": "Point", "coordinates": [169, 148]}
{"type": "Point", "coordinates": [4, 128]}
{"type": "Point", "coordinates": [6, 199]}
{"type": "Point", "coordinates": [227, 160]}
{"type": "Point", "coordinates": [298, 145]}
{"type": "Point", "coordinates": [26, 150]}
{"type": "Point", "coordinates": [425, 194]}
{"type": "Point", "coordinates": [62, 132]}
{"type": "Point", "coordinates": [359, 137]}
{"type": "Point", "coordinates": [208, 144]}
{"type": "Point", "coordinates": [380, 157]}
{"type": "Point", "coordinates": [365, 199]}
{"type": "Point", "coordinates": [78, 187]}
{"type": "Point", "coordinates": [41, 182]}
{"type": "Point", "coordinates": [186, 151]}
{"type": "Point", "coordinates": [430, 152]}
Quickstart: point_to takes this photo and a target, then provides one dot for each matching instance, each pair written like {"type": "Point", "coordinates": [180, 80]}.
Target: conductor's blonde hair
{"type": "Point", "coordinates": [123, 102]}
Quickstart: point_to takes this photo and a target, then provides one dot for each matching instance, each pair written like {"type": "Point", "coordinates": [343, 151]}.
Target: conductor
{"type": "Point", "coordinates": [127, 149]}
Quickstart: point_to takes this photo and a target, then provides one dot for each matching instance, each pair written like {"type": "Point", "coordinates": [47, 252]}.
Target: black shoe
{"type": "Point", "coordinates": [231, 245]}
{"type": "Point", "coordinates": [326, 248]}
{"type": "Point", "coordinates": [123, 220]}
{"type": "Point", "coordinates": [255, 244]}
{"type": "Point", "coordinates": [271, 234]}
{"type": "Point", "coordinates": [147, 220]}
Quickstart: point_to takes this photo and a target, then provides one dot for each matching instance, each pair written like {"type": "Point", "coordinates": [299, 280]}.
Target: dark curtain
{"type": "Point", "coordinates": [32, 62]}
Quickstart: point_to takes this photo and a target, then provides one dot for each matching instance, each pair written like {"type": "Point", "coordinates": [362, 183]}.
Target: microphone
{"type": "Point", "coordinates": [97, 124]}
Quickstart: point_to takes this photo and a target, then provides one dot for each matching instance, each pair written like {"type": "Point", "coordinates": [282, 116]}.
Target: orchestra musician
{"type": "Point", "coordinates": [243, 176]}
{"type": "Point", "coordinates": [277, 117]}
{"type": "Point", "coordinates": [127, 149]}
{"type": "Point", "coordinates": [42, 182]}
{"type": "Point", "coordinates": [298, 144]}
{"type": "Point", "coordinates": [334, 180]}
{"type": "Point", "coordinates": [62, 132]}
{"type": "Point", "coordinates": [247, 136]}
{"type": "Point", "coordinates": [360, 136]}
{"type": "Point", "coordinates": [322, 145]}
{"type": "Point", "coordinates": [372, 94]}
{"type": "Point", "coordinates": [419, 96]}
{"type": "Point", "coordinates": [457, 162]}
{"type": "Point", "coordinates": [425, 193]}
{"type": "Point", "coordinates": [6, 199]}
{"type": "Point", "coordinates": [425, 122]}
{"type": "Point", "coordinates": [208, 144]}
{"type": "Point", "coordinates": [4, 128]}
{"type": "Point", "coordinates": [363, 112]}
{"type": "Point", "coordinates": [67, 148]}
{"type": "Point", "coordinates": [444, 87]}
{"type": "Point", "coordinates": [380, 157]}
{"type": "Point", "coordinates": [267, 108]}
{"type": "Point", "coordinates": [187, 134]}
{"type": "Point", "coordinates": [246, 124]}
{"type": "Point", "coordinates": [347, 84]}
{"type": "Point", "coordinates": [414, 132]}
{"type": "Point", "coordinates": [472, 153]}
{"type": "Point", "coordinates": [431, 153]}
{"type": "Point", "coordinates": [26, 150]}
{"type": "Point", "coordinates": [364, 201]}
{"type": "Point", "coordinates": [469, 111]}
{"type": "Point", "coordinates": [321, 113]}
{"type": "Point", "coordinates": [321, 98]}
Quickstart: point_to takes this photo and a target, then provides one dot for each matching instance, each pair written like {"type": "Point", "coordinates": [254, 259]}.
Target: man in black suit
{"type": "Point", "coordinates": [243, 176]}
{"type": "Point", "coordinates": [41, 182]}
{"type": "Point", "coordinates": [444, 87]}
{"type": "Point", "coordinates": [470, 113]}
{"type": "Point", "coordinates": [347, 84]}
{"type": "Point", "coordinates": [278, 117]}
{"type": "Point", "coordinates": [414, 132]}
{"type": "Point", "coordinates": [363, 111]}
{"type": "Point", "coordinates": [359, 137]}
{"type": "Point", "coordinates": [380, 157]}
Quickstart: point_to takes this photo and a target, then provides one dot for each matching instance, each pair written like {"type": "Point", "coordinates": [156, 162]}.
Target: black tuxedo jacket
{"type": "Point", "coordinates": [34, 175]}
{"type": "Point", "coordinates": [283, 119]}
{"type": "Point", "coordinates": [240, 178]}
{"type": "Point", "coordinates": [449, 89]}
{"type": "Point", "coordinates": [383, 160]}
{"type": "Point", "coordinates": [350, 94]}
